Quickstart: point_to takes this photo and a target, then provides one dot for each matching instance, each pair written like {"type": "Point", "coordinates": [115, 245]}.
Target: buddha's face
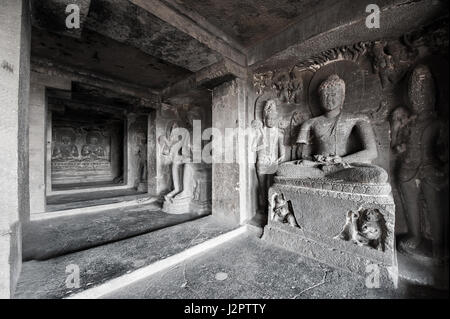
{"type": "Point", "coordinates": [66, 140]}
{"type": "Point", "coordinates": [332, 97]}
{"type": "Point", "coordinates": [93, 141]}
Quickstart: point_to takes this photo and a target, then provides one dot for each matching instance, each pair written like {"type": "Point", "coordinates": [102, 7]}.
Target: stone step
{"type": "Point", "coordinates": [96, 205]}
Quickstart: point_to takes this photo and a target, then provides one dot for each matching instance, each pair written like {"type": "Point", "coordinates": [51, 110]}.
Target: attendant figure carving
{"type": "Point", "coordinates": [423, 171]}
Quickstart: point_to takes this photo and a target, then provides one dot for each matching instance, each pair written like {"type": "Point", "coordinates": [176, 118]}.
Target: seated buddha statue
{"type": "Point", "coordinates": [324, 143]}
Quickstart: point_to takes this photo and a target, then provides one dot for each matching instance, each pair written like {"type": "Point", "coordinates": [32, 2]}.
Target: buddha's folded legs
{"type": "Point", "coordinates": [300, 169]}
{"type": "Point", "coordinates": [355, 172]}
{"type": "Point", "coordinates": [360, 173]}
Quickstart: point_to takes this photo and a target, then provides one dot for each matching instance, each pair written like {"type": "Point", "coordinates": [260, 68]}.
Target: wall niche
{"type": "Point", "coordinates": [88, 146]}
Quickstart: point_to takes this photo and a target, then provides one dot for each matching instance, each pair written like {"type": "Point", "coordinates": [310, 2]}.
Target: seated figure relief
{"type": "Point", "coordinates": [66, 148]}
{"type": "Point", "coordinates": [323, 142]}
{"type": "Point", "coordinates": [92, 149]}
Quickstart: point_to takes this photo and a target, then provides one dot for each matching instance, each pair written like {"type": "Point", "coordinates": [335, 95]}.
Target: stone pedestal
{"type": "Point", "coordinates": [320, 208]}
{"type": "Point", "coordinates": [196, 194]}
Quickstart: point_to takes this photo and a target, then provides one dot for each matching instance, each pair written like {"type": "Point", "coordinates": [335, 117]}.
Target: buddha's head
{"type": "Point", "coordinates": [421, 90]}
{"type": "Point", "coordinates": [92, 138]}
{"type": "Point", "coordinates": [66, 140]}
{"type": "Point", "coordinates": [270, 114]}
{"type": "Point", "coordinates": [332, 93]}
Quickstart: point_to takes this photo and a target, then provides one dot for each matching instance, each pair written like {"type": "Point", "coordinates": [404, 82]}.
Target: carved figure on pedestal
{"type": "Point", "coordinates": [141, 158]}
{"type": "Point", "coordinates": [364, 228]}
{"type": "Point", "coordinates": [92, 149]}
{"type": "Point", "coordinates": [324, 140]}
{"type": "Point", "coordinates": [270, 153]}
{"type": "Point", "coordinates": [383, 64]}
{"type": "Point", "coordinates": [282, 212]}
{"type": "Point", "coordinates": [423, 171]}
{"type": "Point", "coordinates": [66, 148]}
{"type": "Point", "coordinates": [178, 147]}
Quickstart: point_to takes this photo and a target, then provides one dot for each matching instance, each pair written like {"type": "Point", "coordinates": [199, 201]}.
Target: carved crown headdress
{"type": "Point", "coordinates": [269, 108]}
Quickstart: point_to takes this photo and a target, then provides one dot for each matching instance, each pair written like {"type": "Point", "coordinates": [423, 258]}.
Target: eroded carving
{"type": "Point", "coordinates": [65, 148]}
{"type": "Point", "coordinates": [270, 151]}
{"type": "Point", "coordinates": [423, 169]}
{"type": "Point", "coordinates": [93, 150]}
{"type": "Point", "coordinates": [177, 147]}
{"type": "Point", "coordinates": [282, 211]}
{"type": "Point", "coordinates": [383, 64]}
{"type": "Point", "coordinates": [366, 227]}
{"type": "Point", "coordinates": [350, 53]}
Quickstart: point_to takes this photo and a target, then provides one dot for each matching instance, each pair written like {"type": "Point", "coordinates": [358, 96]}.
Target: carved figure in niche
{"type": "Point", "coordinates": [423, 170]}
{"type": "Point", "coordinates": [289, 87]}
{"type": "Point", "coordinates": [196, 190]}
{"type": "Point", "coordinates": [402, 55]}
{"type": "Point", "coordinates": [365, 227]}
{"type": "Point", "coordinates": [66, 148]}
{"type": "Point", "coordinates": [383, 64]}
{"type": "Point", "coordinates": [270, 151]}
{"type": "Point", "coordinates": [179, 152]}
{"type": "Point", "coordinates": [327, 137]}
{"type": "Point", "coordinates": [295, 88]}
{"type": "Point", "coordinates": [141, 157]}
{"type": "Point", "coordinates": [282, 212]}
{"type": "Point", "coordinates": [282, 84]}
{"type": "Point", "coordinates": [399, 119]}
{"type": "Point", "coordinates": [92, 149]}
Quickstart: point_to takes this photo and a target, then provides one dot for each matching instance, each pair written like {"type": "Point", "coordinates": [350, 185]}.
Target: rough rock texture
{"type": "Point", "coordinates": [264, 271]}
{"type": "Point", "coordinates": [251, 21]}
{"type": "Point", "coordinates": [103, 55]}
{"type": "Point", "coordinates": [127, 23]}
{"type": "Point", "coordinates": [46, 279]}
{"type": "Point", "coordinates": [324, 234]}
{"type": "Point", "coordinates": [44, 239]}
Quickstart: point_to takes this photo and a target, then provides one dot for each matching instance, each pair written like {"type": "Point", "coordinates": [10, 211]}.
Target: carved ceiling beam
{"type": "Point", "coordinates": [342, 23]}
{"type": "Point", "coordinates": [199, 29]}
{"type": "Point", "coordinates": [207, 78]}
{"type": "Point", "coordinates": [147, 98]}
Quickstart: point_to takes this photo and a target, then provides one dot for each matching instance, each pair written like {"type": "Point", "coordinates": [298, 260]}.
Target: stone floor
{"type": "Point", "coordinates": [43, 239]}
{"type": "Point", "coordinates": [247, 267]}
{"type": "Point", "coordinates": [46, 279]}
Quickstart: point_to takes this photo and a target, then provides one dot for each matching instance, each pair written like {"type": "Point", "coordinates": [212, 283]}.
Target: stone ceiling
{"type": "Point", "coordinates": [118, 39]}
{"type": "Point", "coordinates": [251, 21]}
{"type": "Point", "coordinates": [106, 56]}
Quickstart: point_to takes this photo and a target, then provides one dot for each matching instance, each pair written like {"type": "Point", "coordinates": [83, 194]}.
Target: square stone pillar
{"type": "Point", "coordinates": [40, 138]}
{"type": "Point", "coordinates": [152, 169]}
{"type": "Point", "coordinates": [15, 35]}
{"type": "Point", "coordinates": [37, 147]}
{"type": "Point", "coordinates": [230, 164]}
